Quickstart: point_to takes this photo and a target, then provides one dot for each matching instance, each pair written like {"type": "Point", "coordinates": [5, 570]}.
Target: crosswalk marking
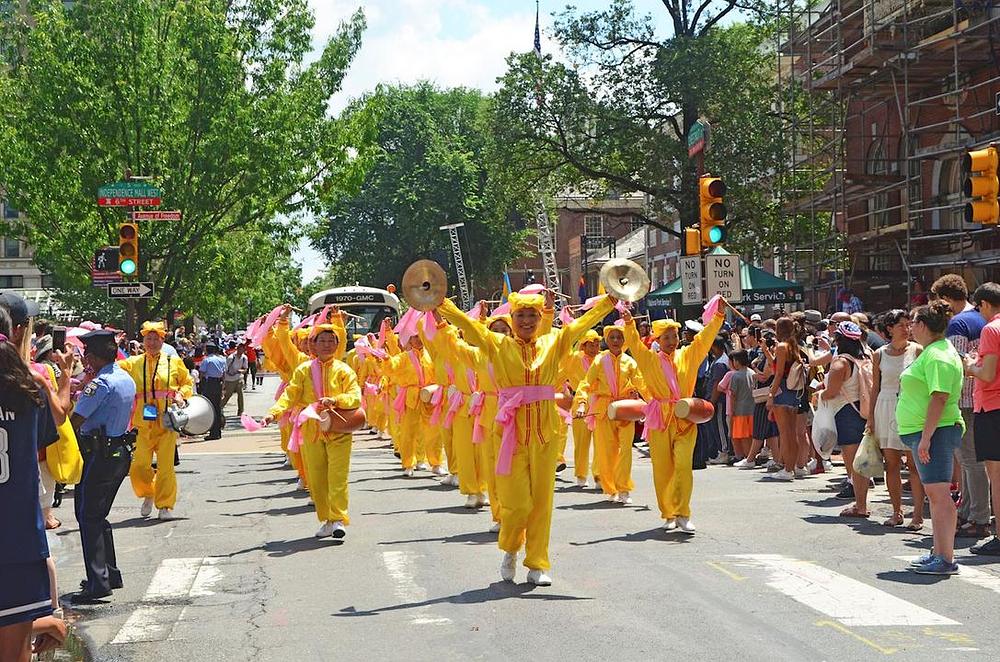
{"type": "Point", "coordinates": [848, 601]}
{"type": "Point", "coordinates": [398, 564]}
{"type": "Point", "coordinates": [175, 582]}
{"type": "Point", "coordinates": [970, 574]}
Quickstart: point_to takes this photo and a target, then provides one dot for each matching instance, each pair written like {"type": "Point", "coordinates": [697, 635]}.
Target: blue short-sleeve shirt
{"type": "Point", "coordinates": [107, 402]}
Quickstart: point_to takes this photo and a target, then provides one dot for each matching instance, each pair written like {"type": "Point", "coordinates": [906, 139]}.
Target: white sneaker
{"type": "Point", "coordinates": [325, 531]}
{"type": "Point", "coordinates": [287, 463]}
{"type": "Point", "coordinates": [539, 578]}
{"type": "Point", "coordinates": [811, 465]}
{"type": "Point", "coordinates": [745, 463]}
{"type": "Point", "coordinates": [685, 525]}
{"type": "Point", "coordinates": [801, 472]}
{"type": "Point", "coordinates": [772, 466]}
{"type": "Point", "coordinates": [612, 498]}
{"type": "Point", "coordinates": [453, 481]}
{"type": "Point", "coordinates": [408, 473]}
{"type": "Point", "coordinates": [581, 482]}
{"type": "Point", "coordinates": [721, 458]}
{"type": "Point", "coordinates": [827, 465]}
{"type": "Point", "coordinates": [166, 514]}
{"type": "Point", "coordinates": [339, 530]}
{"type": "Point", "coordinates": [422, 466]}
{"type": "Point", "coordinates": [495, 527]}
{"type": "Point", "coordinates": [300, 484]}
{"type": "Point", "coordinates": [146, 509]}
{"type": "Point", "coordinates": [483, 500]}
{"type": "Point", "coordinates": [624, 499]}
{"type": "Point", "coordinates": [782, 475]}
{"type": "Point", "coordinates": [669, 524]}
{"type": "Point", "coordinates": [472, 501]}
{"type": "Point", "coordinates": [508, 566]}
{"type": "Point", "coordinates": [439, 471]}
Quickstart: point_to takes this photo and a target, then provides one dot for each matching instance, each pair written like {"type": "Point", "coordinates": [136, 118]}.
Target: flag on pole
{"type": "Point", "coordinates": [505, 291]}
{"type": "Point", "coordinates": [538, 35]}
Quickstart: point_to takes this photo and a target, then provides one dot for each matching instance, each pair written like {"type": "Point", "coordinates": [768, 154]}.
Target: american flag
{"type": "Point", "coordinates": [538, 35]}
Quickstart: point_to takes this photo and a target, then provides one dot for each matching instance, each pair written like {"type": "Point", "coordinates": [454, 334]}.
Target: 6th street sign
{"type": "Point", "coordinates": [128, 194]}
{"type": "Point", "coordinates": [130, 290]}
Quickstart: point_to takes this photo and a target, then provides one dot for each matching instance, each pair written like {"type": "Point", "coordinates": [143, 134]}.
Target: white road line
{"type": "Point", "coordinates": [173, 581]}
{"type": "Point", "coordinates": [398, 565]}
{"type": "Point", "coordinates": [970, 574]}
{"type": "Point", "coordinates": [840, 597]}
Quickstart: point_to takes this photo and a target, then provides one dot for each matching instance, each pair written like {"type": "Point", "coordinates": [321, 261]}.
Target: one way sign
{"type": "Point", "coordinates": [130, 290]}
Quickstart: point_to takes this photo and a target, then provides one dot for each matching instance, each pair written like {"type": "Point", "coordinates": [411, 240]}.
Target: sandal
{"type": "Point", "coordinates": [915, 526]}
{"type": "Point", "coordinates": [895, 520]}
{"type": "Point", "coordinates": [853, 512]}
{"type": "Point", "coordinates": [52, 524]}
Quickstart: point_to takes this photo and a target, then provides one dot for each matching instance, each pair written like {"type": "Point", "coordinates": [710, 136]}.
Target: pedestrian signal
{"type": "Point", "coordinates": [128, 249]}
{"type": "Point", "coordinates": [692, 241]}
{"type": "Point", "coordinates": [712, 218]}
{"type": "Point", "coordinates": [982, 186]}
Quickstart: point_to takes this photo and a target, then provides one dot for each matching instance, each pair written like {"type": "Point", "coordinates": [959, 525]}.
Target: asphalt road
{"type": "Point", "coordinates": [772, 573]}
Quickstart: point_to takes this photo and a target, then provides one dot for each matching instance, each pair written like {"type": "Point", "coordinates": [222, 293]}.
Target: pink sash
{"type": "Point", "coordinates": [608, 363]}
{"type": "Point", "coordinates": [654, 408]}
{"type": "Point", "coordinates": [511, 399]}
{"type": "Point", "coordinates": [437, 402]}
{"type": "Point", "coordinates": [455, 402]}
{"type": "Point", "coordinates": [311, 411]}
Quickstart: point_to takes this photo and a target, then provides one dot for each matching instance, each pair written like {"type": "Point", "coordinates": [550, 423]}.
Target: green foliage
{"type": "Point", "coordinates": [422, 158]}
{"type": "Point", "coordinates": [617, 114]}
{"type": "Point", "coordinates": [212, 99]}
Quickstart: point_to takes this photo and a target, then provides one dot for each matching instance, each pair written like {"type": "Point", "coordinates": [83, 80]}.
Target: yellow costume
{"type": "Point", "coordinates": [156, 379]}
{"type": "Point", "coordinates": [671, 449]}
{"type": "Point", "coordinates": [608, 379]}
{"type": "Point", "coordinates": [527, 373]}
{"type": "Point", "coordinates": [574, 368]}
{"type": "Point", "coordinates": [444, 376]}
{"type": "Point", "coordinates": [410, 371]}
{"type": "Point", "coordinates": [327, 455]}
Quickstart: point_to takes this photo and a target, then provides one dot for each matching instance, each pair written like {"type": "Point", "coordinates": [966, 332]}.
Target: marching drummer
{"type": "Point", "coordinates": [160, 381]}
{"type": "Point", "coordinates": [669, 375]}
{"type": "Point", "coordinates": [612, 377]}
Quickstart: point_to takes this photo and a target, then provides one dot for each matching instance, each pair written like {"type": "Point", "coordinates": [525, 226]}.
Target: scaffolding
{"type": "Point", "coordinates": [880, 99]}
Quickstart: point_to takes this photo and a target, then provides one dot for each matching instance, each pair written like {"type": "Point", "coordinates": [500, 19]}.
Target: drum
{"type": "Point", "coordinates": [342, 421]}
{"type": "Point", "coordinates": [626, 410]}
{"type": "Point", "coordinates": [194, 419]}
{"type": "Point", "coordinates": [427, 392]}
{"type": "Point", "coordinates": [694, 410]}
{"type": "Point", "coordinates": [564, 401]}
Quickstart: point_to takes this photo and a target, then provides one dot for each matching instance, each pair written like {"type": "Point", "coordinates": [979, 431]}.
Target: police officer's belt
{"type": "Point", "coordinates": [94, 442]}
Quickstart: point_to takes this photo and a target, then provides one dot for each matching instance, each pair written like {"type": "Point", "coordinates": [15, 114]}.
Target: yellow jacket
{"type": "Point", "coordinates": [401, 370]}
{"type": "Point", "coordinates": [597, 391]}
{"type": "Point", "coordinates": [339, 383]}
{"type": "Point", "coordinates": [164, 376]}
{"type": "Point", "coordinates": [528, 363]}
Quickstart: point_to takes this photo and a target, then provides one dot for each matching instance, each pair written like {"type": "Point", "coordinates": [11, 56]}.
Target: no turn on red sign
{"type": "Point", "coordinates": [722, 276]}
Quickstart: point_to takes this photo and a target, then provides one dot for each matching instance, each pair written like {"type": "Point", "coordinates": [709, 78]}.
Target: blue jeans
{"type": "Point", "coordinates": [944, 442]}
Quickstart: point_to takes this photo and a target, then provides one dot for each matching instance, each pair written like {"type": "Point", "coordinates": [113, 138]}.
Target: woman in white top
{"type": "Point", "coordinates": [888, 364]}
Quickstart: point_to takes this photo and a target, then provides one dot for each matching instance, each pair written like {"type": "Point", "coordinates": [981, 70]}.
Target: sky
{"type": "Point", "coordinates": [449, 42]}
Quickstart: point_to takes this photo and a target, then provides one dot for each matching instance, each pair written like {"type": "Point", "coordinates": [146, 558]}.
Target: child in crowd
{"type": "Point", "coordinates": [739, 384]}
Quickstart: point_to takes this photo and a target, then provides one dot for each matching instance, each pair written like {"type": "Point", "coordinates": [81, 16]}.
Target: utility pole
{"type": "Point", "coordinates": [456, 250]}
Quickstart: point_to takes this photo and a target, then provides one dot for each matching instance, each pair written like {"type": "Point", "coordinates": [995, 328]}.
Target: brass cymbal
{"type": "Point", "coordinates": [424, 285]}
{"type": "Point", "coordinates": [624, 279]}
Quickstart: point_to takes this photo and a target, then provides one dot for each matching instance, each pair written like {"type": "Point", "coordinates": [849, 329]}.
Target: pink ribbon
{"type": "Point", "coordinates": [476, 406]}
{"type": "Point", "coordinates": [407, 327]}
{"type": "Point", "coordinates": [511, 399]}
{"type": "Point", "coordinates": [249, 424]}
{"type": "Point", "coordinates": [534, 288]}
{"type": "Point", "coordinates": [265, 326]}
{"type": "Point", "coordinates": [591, 302]}
{"type": "Point", "coordinates": [711, 309]}
{"type": "Point", "coordinates": [437, 400]}
{"type": "Point", "coordinates": [502, 309]}
{"type": "Point", "coordinates": [653, 410]}
{"type": "Point", "coordinates": [477, 312]}
{"type": "Point", "coordinates": [399, 404]}
{"type": "Point", "coordinates": [455, 402]}
{"type": "Point", "coordinates": [608, 363]}
{"type": "Point", "coordinates": [281, 389]}
{"type": "Point", "coordinates": [565, 316]}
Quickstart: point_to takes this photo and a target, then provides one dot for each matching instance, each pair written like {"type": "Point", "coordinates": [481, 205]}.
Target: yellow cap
{"type": "Point", "coordinates": [500, 318]}
{"type": "Point", "coordinates": [320, 328]}
{"type": "Point", "coordinates": [590, 336]}
{"type": "Point", "coordinates": [611, 327]}
{"type": "Point", "coordinates": [659, 326]}
{"type": "Point", "coordinates": [518, 301]}
{"type": "Point", "coordinates": [159, 328]}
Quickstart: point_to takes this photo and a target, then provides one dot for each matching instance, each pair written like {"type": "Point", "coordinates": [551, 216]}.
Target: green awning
{"type": "Point", "coordinates": [759, 288]}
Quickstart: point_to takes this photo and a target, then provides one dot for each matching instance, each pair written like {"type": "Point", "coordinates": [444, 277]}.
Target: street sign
{"type": "Point", "coordinates": [697, 138]}
{"type": "Point", "coordinates": [128, 194]}
{"type": "Point", "coordinates": [691, 289]}
{"type": "Point", "coordinates": [722, 276]}
{"type": "Point", "coordinates": [156, 216]}
{"type": "Point", "coordinates": [130, 290]}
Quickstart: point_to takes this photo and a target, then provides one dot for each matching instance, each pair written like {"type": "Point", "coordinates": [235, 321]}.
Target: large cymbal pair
{"type": "Point", "coordinates": [425, 283]}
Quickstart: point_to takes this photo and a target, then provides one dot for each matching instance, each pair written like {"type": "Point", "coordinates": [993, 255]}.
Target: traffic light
{"type": "Point", "coordinates": [713, 211]}
{"type": "Point", "coordinates": [128, 249]}
{"type": "Point", "coordinates": [981, 185]}
{"type": "Point", "coordinates": [692, 241]}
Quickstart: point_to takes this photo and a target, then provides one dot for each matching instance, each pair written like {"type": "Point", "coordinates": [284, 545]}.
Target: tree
{"type": "Point", "coordinates": [615, 117]}
{"type": "Point", "coordinates": [423, 159]}
{"type": "Point", "coordinates": [212, 99]}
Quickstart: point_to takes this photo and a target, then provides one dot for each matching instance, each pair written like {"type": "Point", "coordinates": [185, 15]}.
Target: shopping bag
{"type": "Point", "coordinates": [868, 461]}
{"type": "Point", "coordinates": [824, 429]}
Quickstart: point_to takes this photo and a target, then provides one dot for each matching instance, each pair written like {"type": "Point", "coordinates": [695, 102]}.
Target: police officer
{"type": "Point", "coordinates": [211, 370]}
{"type": "Point", "coordinates": [102, 419]}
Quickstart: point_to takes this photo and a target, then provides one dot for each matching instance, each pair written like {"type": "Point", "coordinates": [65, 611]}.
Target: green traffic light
{"type": "Point", "coordinates": [127, 267]}
{"type": "Point", "coordinates": [716, 234]}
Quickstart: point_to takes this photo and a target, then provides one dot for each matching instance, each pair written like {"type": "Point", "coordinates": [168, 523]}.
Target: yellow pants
{"type": "Point", "coordinates": [413, 429]}
{"type": "Point", "coordinates": [450, 453]}
{"type": "Point", "coordinates": [562, 436]}
{"type": "Point", "coordinates": [581, 449]}
{"type": "Point", "coordinates": [614, 443]}
{"type": "Point", "coordinates": [328, 462]}
{"type": "Point", "coordinates": [472, 458]}
{"type": "Point", "coordinates": [671, 454]}
{"type": "Point", "coordinates": [430, 447]}
{"type": "Point", "coordinates": [160, 484]}
{"type": "Point", "coordinates": [526, 503]}
{"type": "Point", "coordinates": [491, 447]}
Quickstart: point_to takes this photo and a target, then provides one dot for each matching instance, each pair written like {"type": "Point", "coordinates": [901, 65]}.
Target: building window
{"type": "Point", "coordinates": [9, 212]}
{"type": "Point", "coordinates": [593, 226]}
{"type": "Point", "coordinates": [11, 247]}
{"type": "Point", "coordinates": [48, 281]}
{"type": "Point", "coordinates": [11, 282]}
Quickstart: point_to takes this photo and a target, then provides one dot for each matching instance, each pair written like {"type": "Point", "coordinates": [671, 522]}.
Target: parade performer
{"type": "Point", "coordinates": [275, 361]}
{"type": "Point", "coordinates": [612, 376]}
{"type": "Point", "coordinates": [574, 368]}
{"type": "Point", "coordinates": [527, 372]}
{"type": "Point", "coordinates": [670, 375]}
{"type": "Point", "coordinates": [318, 385]}
{"type": "Point", "coordinates": [160, 381]}
{"type": "Point", "coordinates": [445, 378]}
{"type": "Point", "coordinates": [411, 370]}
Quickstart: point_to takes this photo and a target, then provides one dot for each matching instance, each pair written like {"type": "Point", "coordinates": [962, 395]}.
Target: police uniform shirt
{"type": "Point", "coordinates": [107, 402]}
{"type": "Point", "coordinates": [212, 366]}
{"type": "Point", "coordinates": [24, 430]}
